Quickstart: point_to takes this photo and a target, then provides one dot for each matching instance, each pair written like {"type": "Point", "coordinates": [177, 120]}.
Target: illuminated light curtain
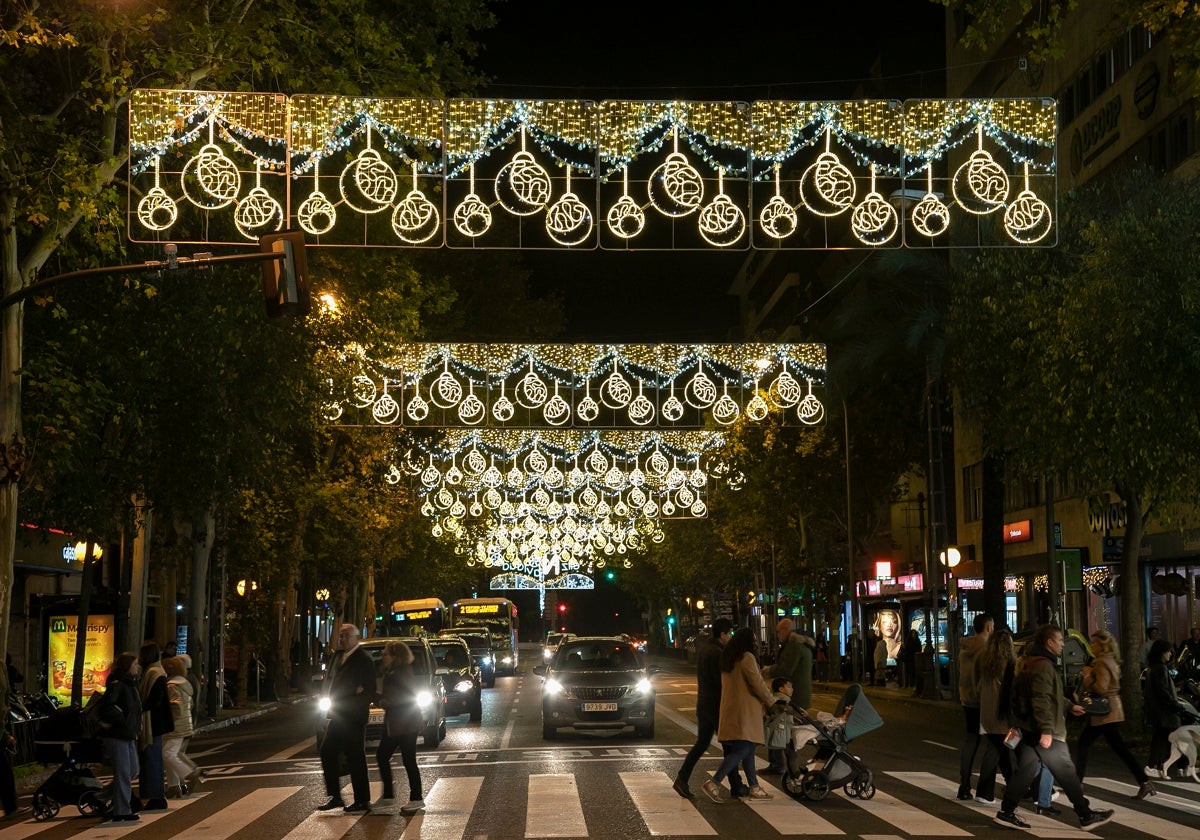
{"type": "Point", "coordinates": [583, 385]}
{"type": "Point", "coordinates": [227, 167]}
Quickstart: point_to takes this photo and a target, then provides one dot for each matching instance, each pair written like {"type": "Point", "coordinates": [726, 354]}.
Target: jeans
{"type": "Point", "coordinates": [705, 730]}
{"type": "Point", "coordinates": [996, 756]}
{"type": "Point", "coordinates": [1111, 732]}
{"type": "Point", "coordinates": [1030, 757]}
{"type": "Point", "coordinates": [737, 752]}
{"type": "Point", "coordinates": [408, 755]}
{"type": "Point", "coordinates": [123, 755]}
{"type": "Point", "coordinates": [151, 781]}
{"type": "Point", "coordinates": [970, 746]}
{"type": "Point", "coordinates": [1045, 787]}
{"type": "Point", "coordinates": [346, 738]}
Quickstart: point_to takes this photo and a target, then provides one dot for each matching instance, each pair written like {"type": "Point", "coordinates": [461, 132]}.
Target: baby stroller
{"type": "Point", "coordinates": [832, 765]}
{"type": "Point", "coordinates": [60, 740]}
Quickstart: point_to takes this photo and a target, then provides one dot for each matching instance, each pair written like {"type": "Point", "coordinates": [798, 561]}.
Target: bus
{"type": "Point", "coordinates": [499, 616]}
{"type": "Point", "coordinates": [418, 617]}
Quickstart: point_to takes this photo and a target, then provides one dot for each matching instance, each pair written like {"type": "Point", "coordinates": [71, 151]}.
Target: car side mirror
{"type": "Point", "coordinates": [540, 670]}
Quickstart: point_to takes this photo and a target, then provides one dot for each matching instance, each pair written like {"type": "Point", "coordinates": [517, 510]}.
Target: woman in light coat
{"type": "Point", "coordinates": [744, 699]}
{"type": "Point", "coordinates": [1102, 678]}
{"type": "Point", "coordinates": [182, 772]}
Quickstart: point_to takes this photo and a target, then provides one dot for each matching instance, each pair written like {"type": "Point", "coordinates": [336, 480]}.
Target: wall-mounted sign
{"type": "Point", "coordinates": [1015, 532]}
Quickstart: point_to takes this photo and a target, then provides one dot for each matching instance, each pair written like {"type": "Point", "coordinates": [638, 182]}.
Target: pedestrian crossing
{"type": "Point", "coordinates": [907, 804]}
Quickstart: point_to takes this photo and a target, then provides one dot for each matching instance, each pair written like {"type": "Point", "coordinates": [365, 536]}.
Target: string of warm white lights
{"type": "Point", "coordinates": [441, 172]}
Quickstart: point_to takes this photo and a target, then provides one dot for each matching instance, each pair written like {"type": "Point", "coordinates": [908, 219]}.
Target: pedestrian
{"type": "Point", "coordinates": [744, 698]}
{"type": "Point", "coordinates": [157, 721]}
{"type": "Point", "coordinates": [352, 687]}
{"type": "Point", "coordinates": [968, 694]}
{"type": "Point", "coordinates": [1188, 654]}
{"type": "Point", "coordinates": [1161, 703]}
{"type": "Point", "coordinates": [708, 709]}
{"type": "Point", "coordinates": [8, 782]}
{"type": "Point", "coordinates": [1038, 708]}
{"type": "Point", "coordinates": [795, 661]}
{"type": "Point", "coordinates": [121, 717]}
{"type": "Point", "coordinates": [1102, 678]}
{"type": "Point", "coordinates": [994, 674]}
{"type": "Point", "coordinates": [197, 696]}
{"type": "Point", "coordinates": [403, 721]}
{"type": "Point", "coordinates": [909, 650]}
{"type": "Point", "coordinates": [1151, 638]}
{"type": "Point", "coordinates": [781, 689]}
{"type": "Point", "coordinates": [182, 772]}
{"type": "Point", "coordinates": [1045, 793]}
{"type": "Point", "coordinates": [822, 659]}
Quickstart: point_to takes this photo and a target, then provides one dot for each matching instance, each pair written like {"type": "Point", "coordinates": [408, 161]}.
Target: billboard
{"type": "Point", "coordinates": [98, 655]}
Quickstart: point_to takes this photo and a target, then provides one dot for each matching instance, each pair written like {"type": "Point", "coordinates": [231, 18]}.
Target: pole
{"type": "Point", "coordinates": [851, 583]}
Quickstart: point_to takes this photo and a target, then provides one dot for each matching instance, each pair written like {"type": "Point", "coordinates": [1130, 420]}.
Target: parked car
{"type": "Point", "coordinates": [464, 693]}
{"type": "Point", "coordinates": [479, 640]}
{"type": "Point", "coordinates": [596, 683]}
{"type": "Point", "coordinates": [431, 698]}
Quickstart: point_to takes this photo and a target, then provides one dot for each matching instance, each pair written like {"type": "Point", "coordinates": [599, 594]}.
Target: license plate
{"type": "Point", "coordinates": [599, 707]}
{"type": "Point", "coordinates": [376, 716]}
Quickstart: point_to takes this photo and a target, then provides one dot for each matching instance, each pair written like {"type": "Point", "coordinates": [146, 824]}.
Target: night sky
{"type": "Point", "coordinates": [661, 50]}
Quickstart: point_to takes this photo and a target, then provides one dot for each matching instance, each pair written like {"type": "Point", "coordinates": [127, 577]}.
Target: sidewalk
{"type": "Point", "coordinates": [225, 717]}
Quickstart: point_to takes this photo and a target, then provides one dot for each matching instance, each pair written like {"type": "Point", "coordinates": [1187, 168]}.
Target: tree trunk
{"type": "Point", "coordinates": [204, 529]}
{"type": "Point", "coordinates": [287, 634]}
{"type": "Point", "coordinates": [1133, 630]}
{"type": "Point", "coordinates": [12, 334]}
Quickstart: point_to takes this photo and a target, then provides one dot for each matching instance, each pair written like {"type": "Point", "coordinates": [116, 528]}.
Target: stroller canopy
{"type": "Point", "coordinates": [862, 718]}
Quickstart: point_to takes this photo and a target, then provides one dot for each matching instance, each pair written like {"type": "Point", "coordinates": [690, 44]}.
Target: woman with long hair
{"type": "Point", "coordinates": [121, 717]}
{"type": "Point", "coordinates": [744, 699]}
{"type": "Point", "coordinates": [1102, 678]}
{"type": "Point", "coordinates": [402, 723]}
{"type": "Point", "coordinates": [1162, 707]}
{"type": "Point", "coordinates": [157, 721]}
{"type": "Point", "coordinates": [993, 670]}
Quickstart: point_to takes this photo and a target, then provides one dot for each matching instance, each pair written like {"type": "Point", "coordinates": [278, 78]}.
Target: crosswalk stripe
{"type": "Point", "coordinates": [235, 817]}
{"type": "Point", "coordinates": [554, 809]}
{"type": "Point", "coordinates": [1148, 823]}
{"type": "Point", "coordinates": [1044, 827]}
{"type": "Point", "coordinates": [447, 809]}
{"type": "Point", "coordinates": [106, 831]}
{"type": "Point", "coordinates": [788, 816]}
{"type": "Point", "coordinates": [907, 818]}
{"type": "Point", "coordinates": [1162, 798]}
{"type": "Point", "coordinates": [661, 808]}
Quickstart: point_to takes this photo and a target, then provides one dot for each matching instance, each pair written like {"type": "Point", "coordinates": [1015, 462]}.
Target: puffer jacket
{"type": "Point", "coordinates": [179, 692]}
{"type": "Point", "coordinates": [1103, 678]}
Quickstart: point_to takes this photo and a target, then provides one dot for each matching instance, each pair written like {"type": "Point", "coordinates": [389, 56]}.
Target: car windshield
{"type": "Point", "coordinates": [376, 654]}
{"type": "Point", "coordinates": [477, 642]}
{"type": "Point", "coordinates": [553, 639]}
{"type": "Point", "coordinates": [596, 656]}
{"type": "Point", "coordinates": [452, 656]}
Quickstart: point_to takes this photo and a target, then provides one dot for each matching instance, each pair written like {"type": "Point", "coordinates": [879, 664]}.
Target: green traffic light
{"type": "Point", "coordinates": [610, 575]}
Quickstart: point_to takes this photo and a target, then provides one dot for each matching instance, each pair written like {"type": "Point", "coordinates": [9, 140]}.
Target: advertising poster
{"type": "Point", "coordinates": [98, 655]}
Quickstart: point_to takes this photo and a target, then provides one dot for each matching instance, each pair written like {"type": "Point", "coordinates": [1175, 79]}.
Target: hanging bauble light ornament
{"type": "Point", "coordinates": [257, 211]}
{"type": "Point", "coordinates": [700, 391]}
{"type": "Point", "coordinates": [757, 408]}
{"type": "Point", "coordinates": [568, 220]}
{"type": "Point", "coordinates": [810, 411]}
{"type": "Point", "coordinates": [316, 214]}
{"type": "Point", "coordinates": [417, 409]}
{"type": "Point", "coordinates": [536, 462]}
{"type": "Point", "coordinates": [215, 174]}
{"type": "Point", "coordinates": [362, 390]}
{"type": "Point", "coordinates": [416, 218]}
{"type": "Point", "coordinates": [503, 408]}
{"type": "Point", "coordinates": [368, 183]}
{"type": "Point", "coordinates": [721, 222]}
{"type": "Point", "coordinates": [676, 188]}
{"type": "Point", "coordinates": [874, 221]}
{"type": "Point", "coordinates": [472, 218]}
{"type": "Point", "coordinates": [980, 186]}
{"type": "Point", "coordinates": [672, 408]}
{"type": "Point", "coordinates": [827, 187]}
{"type": "Point", "coordinates": [471, 410]}
{"type": "Point", "coordinates": [156, 210]}
{"type": "Point", "coordinates": [1028, 219]}
{"type": "Point", "coordinates": [445, 391]}
{"type": "Point", "coordinates": [725, 410]}
{"type": "Point", "coordinates": [785, 391]}
{"type": "Point", "coordinates": [386, 410]}
{"type": "Point", "coordinates": [393, 475]}
{"type": "Point", "coordinates": [454, 475]}
{"type": "Point", "coordinates": [523, 184]}
{"type": "Point", "coordinates": [930, 216]}
{"type": "Point", "coordinates": [625, 218]}
{"type": "Point", "coordinates": [641, 410]}
{"type": "Point", "coordinates": [557, 410]}
{"type": "Point", "coordinates": [588, 409]}
{"type": "Point", "coordinates": [474, 463]}
{"type": "Point", "coordinates": [531, 391]}
{"type": "Point", "coordinates": [657, 464]}
{"type": "Point", "coordinates": [778, 218]}
{"type": "Point", "coordinates": [615, 391]}
{"type": "Point", "coordinates": [431, 477]}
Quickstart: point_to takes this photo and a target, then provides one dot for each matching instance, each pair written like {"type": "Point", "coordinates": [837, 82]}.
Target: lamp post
{"type": "Point", "coordinates": [85, 607]}
{"type": "Point", "coordinates": [948, 560]}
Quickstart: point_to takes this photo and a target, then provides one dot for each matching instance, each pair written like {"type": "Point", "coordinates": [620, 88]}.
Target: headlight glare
{"type": "Point", "coordinates": [464, 685]}
{"type": "Point", "coordinates": [424, 698]}
{"type": "Point", "coordinates": [644, 686]}
{"type": "Point", "coordinates": [324, 704]}
{"type": "Point", "coordinates": [553, 687]}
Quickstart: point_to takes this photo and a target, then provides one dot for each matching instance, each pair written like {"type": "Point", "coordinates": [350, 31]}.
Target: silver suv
{"type": "Point", "coordinates": [596, 683]}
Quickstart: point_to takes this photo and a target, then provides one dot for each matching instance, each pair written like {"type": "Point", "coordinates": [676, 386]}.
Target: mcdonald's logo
{"type": "Point", "coordinates": [58, 625]}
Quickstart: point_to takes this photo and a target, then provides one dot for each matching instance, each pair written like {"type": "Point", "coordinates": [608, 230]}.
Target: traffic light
{"type": "Point", "coordinates": [285, 281]}
{"type": "Point", "coordinates": [610, 575]}
{"type": "Point", "coordinates": [671, 620]}
{"type": "Point", "coordinates": [562, 608]}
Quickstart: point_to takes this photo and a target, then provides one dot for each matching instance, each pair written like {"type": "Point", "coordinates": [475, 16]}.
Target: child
{"type": "Point", "coordinates": [779, 724]}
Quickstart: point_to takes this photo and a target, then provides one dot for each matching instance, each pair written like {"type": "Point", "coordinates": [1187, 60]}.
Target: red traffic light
{"type": "Point", "coordinates": [562, 608]}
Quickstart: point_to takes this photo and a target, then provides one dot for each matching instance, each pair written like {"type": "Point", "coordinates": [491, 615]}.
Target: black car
{"type": "Point", "coordinates": [431, 698]}
{"type": "Point", "coordinates": [464, 694]}
{"type": "Point", "coordinates": [479, 640]}
{"type": "Point", "coordinates": [596, 683]}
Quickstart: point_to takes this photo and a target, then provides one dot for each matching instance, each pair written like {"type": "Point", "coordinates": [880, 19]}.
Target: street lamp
{"type": "Point", "coordinates": [81, 551]}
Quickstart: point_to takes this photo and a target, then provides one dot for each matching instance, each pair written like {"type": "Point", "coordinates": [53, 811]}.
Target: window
{"type": "Point", "coordinates": [972, 492]}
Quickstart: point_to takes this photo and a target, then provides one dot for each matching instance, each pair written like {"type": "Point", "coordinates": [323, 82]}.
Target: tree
{"type": "Point", "coordinates": [1074, 357]}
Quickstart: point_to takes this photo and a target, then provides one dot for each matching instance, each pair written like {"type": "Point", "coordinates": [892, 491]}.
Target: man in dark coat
{"type": "Point", "coordinates": [351, 690]}
{"type": "Point", "coordinates": [708, 708]}
{"type": "Point", "coordinates": [794, 663]}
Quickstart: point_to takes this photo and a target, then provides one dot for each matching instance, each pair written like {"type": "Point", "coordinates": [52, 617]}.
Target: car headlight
{"type": "Point", "coordinates": [324, 704]}
{"type": "Point", "coordinates": [464, 685]}
{"type": "Point", "coordinates": [507, 660]}
{"type": "Point", "coordinates": [644, 686]}
{"type": "Point", "coordinates": [546, 654]}
{"type": "Point", "coordinates": [487, 660]}
{"type": "Point", "coordinates": [424, 699]}
{"type": "Point", "coordinates": [553, 686]}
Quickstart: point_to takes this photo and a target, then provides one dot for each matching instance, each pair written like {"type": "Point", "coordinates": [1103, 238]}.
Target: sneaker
{"type": "Point", "coordinates": [1098, 817]}
{"type": "Point", "coordinates": [681, 787]}
{"type": "Point", "coordinates": [383, 802]}
{"type": "Point", "coordinates": [332, 804]}
{"type": "Point", "coordinates": [1047, 811]}
{"type": "Point", "coordinates": [714, 792]}
{"type": "Point", "coordinates": [155, 805]}
{"type": "Point", "coordinates": [1054, 792]}
{"type": "Point", "coordinates": [964, 794]}
{"type": "Point", "coordinates": [414, 806]}
{"type": "Point", "coordinates": [983, 800]}
{"type": "Point", "coordinates": [1009, 819]}
{"type": "Point", "coordinates": [1154, 773]}
{"type": "Point", "coordinates": [357, 808]}
{"type": "Point", "coordinates": [757, 792]}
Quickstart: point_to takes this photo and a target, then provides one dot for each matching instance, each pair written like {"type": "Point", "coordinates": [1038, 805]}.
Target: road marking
{"type": "Point", "coordinates": [940, 744]}
{"type": "Point", "coordinates": [218, 748]}
{"type": "Point", "coordinates": [235, 817]}
{"type": "Point", "coordinates": [104, 831]}
{"type": "Point", "coordinates": [661, 808]}
{"type": "Point", "coordinates": [448, 807]}
{"type": "Point", "coordinates": [285, 754]}
{"type": "Point", "coordinates": [554, 809]}
{"type": "Point", "coordinates": [1142, 821]}
{"type": "Point", "coordinates": [907, 818]}
{"type": "Point", "coordinates": [787, 816]}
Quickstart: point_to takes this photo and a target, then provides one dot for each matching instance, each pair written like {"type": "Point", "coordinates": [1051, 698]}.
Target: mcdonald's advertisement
{"type": "Point", "coordinates": [98, 654]}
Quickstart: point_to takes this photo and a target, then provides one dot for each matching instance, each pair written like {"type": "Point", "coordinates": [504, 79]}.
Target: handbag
{"type": "Point", "coordinates": [1096, 705]}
